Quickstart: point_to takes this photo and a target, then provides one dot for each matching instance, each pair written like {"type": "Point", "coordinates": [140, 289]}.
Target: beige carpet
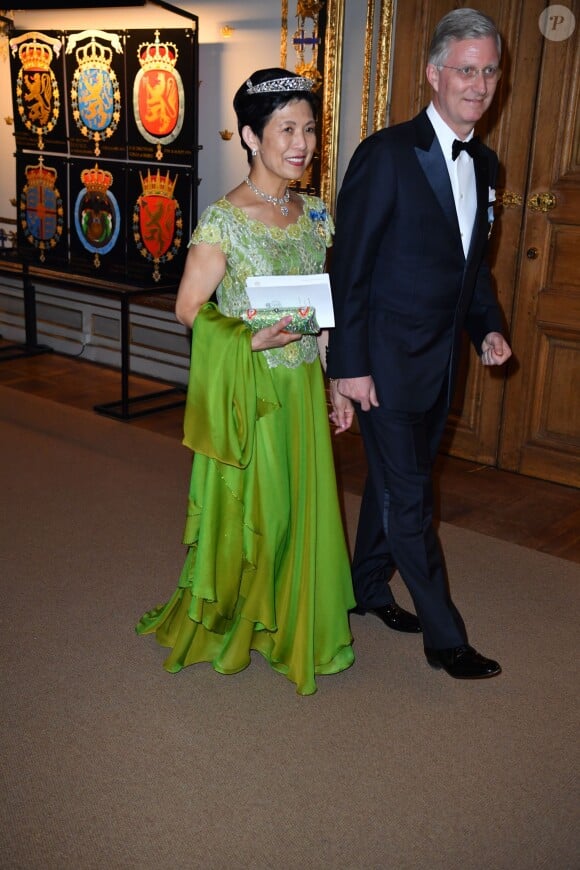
{"type": "Point", "coordinates": [109, 762]}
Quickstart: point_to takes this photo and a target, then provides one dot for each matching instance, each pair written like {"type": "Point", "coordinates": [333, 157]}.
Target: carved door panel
{"type": "Point", "coordinates": [541, 419]}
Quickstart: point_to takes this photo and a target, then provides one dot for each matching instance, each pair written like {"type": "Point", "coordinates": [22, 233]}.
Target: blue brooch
{"type": "Point", "coordinates": [320, 216]}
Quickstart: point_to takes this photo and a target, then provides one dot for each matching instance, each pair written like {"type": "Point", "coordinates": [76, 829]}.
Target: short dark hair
{"type": "Point", "coordinates": [255, 110]}
{"type": "Point", "coordinates": [457, 25]}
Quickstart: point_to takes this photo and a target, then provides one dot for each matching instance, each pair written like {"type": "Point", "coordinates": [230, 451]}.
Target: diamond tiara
{"type": "Point", "coordinates": [290, 83]}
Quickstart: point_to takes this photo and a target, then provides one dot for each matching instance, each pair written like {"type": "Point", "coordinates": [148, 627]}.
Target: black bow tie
{"type": "Point", "coordinates": [471, 147]}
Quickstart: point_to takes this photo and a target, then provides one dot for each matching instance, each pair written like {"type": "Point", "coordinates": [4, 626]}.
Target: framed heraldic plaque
{"type": "Point", "coordinates": [97, 108]}
{"type": "Point", "coordinates": [38, 91]}
{"type": "Point", "coordinates": [160, 79]}
{"type": "Point", "coordinates": [42, 196]}
{"type": "Point", "coordinates": [98, 198]}
{"type": "Point", "coordinates": [159, 200]}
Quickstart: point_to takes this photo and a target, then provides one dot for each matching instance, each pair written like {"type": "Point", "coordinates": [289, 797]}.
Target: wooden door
{"type": "Point", "coordinates": [490, 421]}
{"type": "Point", "coordinates": [541, 418]}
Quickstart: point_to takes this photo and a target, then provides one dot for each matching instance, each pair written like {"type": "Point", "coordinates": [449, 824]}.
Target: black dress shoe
{"type": "Point", "coordinates": [462, 662]}
{"type": "Point", "coordinates": [396, 618]}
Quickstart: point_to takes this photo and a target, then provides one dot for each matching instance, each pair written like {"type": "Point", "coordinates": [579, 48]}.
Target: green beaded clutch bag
{"type": "Point", "coordinates": [303, 319]}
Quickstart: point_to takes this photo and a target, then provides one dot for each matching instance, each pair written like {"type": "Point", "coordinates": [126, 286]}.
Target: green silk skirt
{"type": "Point", "coordinates": [267, 566]}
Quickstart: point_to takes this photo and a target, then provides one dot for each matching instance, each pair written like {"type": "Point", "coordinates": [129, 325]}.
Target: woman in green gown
{"type": "Point", "coordinates": [267, 566]}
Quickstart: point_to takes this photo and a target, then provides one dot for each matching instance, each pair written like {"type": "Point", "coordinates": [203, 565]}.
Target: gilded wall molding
{"type": "Point", "coordinates": [377, 58]}
{"type": "Point", "coordinates": [332, 81]}
{"type": "Point", "coordinates": [383, 64]}
{"type": "Point", "coordinates": [366, 84]}
{"type": "Point", "coordinates": [284, 35]}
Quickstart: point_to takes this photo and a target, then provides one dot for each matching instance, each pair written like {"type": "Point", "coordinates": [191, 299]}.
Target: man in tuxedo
{"type": "Point", "coordinates": [408, 275]}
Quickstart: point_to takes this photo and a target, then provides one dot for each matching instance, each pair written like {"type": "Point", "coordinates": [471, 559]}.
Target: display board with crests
{"type": "Point", "coordinates": [106, 150]}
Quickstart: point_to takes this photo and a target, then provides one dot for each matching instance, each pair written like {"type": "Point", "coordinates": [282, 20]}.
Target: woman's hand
{"type": "Point", "coordinates": [342, 413]}
{"type": "Point", "coordinates": [274, 336]}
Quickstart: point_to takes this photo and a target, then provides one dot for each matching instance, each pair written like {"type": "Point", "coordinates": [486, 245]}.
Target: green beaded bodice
{"type": "Point", "coordinates": [252, 248]}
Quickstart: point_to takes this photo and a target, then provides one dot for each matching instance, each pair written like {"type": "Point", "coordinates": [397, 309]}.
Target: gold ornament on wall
{"type": "Point", "coordinates": [6, 24]}
{"type": "Point", "coordinates": [306, 40]}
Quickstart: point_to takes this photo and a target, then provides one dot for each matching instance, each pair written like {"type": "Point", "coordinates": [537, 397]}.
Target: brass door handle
{"type": "Point", "coordinates": [509, 199]}
{"type": "Point", "coordinates": [543, 202]}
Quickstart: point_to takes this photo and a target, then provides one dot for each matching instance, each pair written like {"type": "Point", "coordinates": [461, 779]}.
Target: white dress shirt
{"type": "Point", "coordinates": [461, 174]}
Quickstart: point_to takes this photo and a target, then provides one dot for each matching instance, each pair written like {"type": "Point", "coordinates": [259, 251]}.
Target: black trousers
{"type": "Point", "coordinates": [395, 529]}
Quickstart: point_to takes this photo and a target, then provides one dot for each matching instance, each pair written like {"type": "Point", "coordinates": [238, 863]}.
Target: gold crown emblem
{"type": "Point", "coordinates": [35, 55]}
{"type": "Point", "coordinates": [96, 180]}
{"type": "Point", "coordinates": [40, 175]}
{"type": "Point", "coordinates": [158, 185]}
{"type": "Point", "coordinates": [94, 55]}
{"type": "Point", "coordinates": [157, 55]}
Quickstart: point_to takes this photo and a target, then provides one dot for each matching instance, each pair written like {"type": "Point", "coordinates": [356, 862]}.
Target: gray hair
{"type": "Point", "coordinates": [461, 24]}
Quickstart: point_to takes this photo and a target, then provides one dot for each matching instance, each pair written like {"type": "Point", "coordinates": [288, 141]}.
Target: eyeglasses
{"type": "Point", "coordinates": [470, 73]}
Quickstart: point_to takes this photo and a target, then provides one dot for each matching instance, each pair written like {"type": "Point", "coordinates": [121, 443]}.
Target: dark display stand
{"type": "Point", "coordinates": [127, 407]}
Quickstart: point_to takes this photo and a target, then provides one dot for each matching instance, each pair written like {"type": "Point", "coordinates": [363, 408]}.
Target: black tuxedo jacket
{"type": "Point", "coordinates": [403, 289]}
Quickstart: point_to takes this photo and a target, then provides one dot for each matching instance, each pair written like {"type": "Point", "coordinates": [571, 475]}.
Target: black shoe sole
{"type": "Point", "coordinates": [437, 666]}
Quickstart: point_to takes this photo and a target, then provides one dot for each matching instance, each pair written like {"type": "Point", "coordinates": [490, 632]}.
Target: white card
{"type": "Point", "coordinates": [293, 291]}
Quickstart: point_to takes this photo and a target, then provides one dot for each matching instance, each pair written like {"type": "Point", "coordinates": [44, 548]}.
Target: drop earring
{"type": "Point", "coordinates": [254, 152]}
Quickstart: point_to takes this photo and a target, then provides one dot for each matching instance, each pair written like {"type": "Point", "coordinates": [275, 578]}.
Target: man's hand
{"type": "Point", "coordinates": [495, 351]}
{"type": "Point", "coordinates": [360, 390]}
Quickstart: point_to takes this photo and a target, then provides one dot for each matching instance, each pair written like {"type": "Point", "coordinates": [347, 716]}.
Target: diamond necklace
{"type": "Point", "coordinates": [275, 200]}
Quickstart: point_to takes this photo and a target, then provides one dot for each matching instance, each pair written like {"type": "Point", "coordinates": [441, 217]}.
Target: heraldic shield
{"type": "Point", "coordinates": [95, 91]}
{"type": "Point", "coordinates": [158, 95]}
{"type": "Point", "coordinates": [158, 221]}
{"type": "Point", "coordinates": [41, 210]}
{"type": "Point", "coordinates": [162, 79]}
{"type": "Point", "coordinates": [97, 217]}
{"type": "Point", "coordinates": [37, 92]}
